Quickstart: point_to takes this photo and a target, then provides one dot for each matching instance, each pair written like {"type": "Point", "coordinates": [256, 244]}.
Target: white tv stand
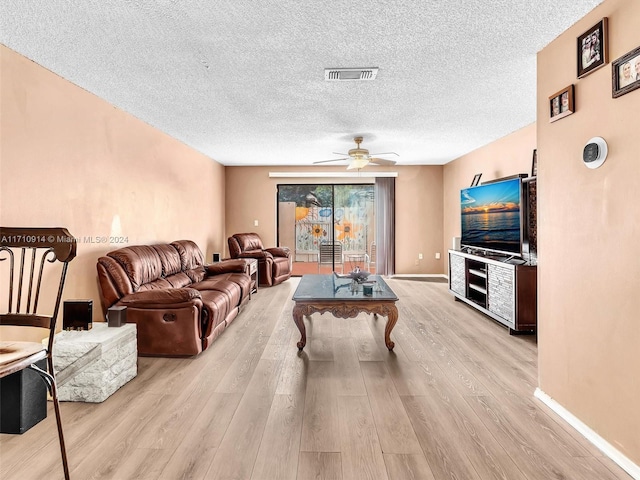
{"type": "Point", "coordinates": [497, 287]}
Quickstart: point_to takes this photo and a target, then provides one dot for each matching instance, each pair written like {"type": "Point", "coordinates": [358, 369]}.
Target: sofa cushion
{"type": "Point", "coordinates": [243, 280]}
{"type": "Point", "coordinates": [141, 263]}
{"type": "Point", "coordinates": [221, 283]}
{"type": "Point", "coordinates": [159, 284]}
{"type": "Point", "coordinates": [190, 254]}
{"type": "Point", "coordinates": [179, 280]}
{"type": "Point", "coordinates": [170, 259]}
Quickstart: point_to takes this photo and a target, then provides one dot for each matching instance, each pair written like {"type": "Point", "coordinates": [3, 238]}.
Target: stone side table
{"type": "Point", "coordinates": [91, 365]}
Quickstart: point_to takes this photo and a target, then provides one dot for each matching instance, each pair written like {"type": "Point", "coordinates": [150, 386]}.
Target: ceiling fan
{"type": "Point", "coordinates": [360, 157]}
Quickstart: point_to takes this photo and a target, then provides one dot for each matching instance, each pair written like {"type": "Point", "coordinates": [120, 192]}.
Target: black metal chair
{"type": "Point", "coordinates": [28, 251]}
{"type": "Point", "coordinates": [330, 254]}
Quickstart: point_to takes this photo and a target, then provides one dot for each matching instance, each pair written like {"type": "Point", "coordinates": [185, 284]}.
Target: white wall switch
{"type": "Point", "coordinates": [255, 223]}
{"type": "Point", "coordinates": [419, 256]}
{"type": "Point", "coordinates": [438, 256]}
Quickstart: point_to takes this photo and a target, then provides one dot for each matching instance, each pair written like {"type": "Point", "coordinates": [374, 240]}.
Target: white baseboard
{"type": "Point", "coordinates": [605, 447]}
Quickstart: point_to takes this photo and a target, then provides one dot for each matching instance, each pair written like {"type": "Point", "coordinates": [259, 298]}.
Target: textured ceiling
{"type": "Point", "coordinates": [242, 81]}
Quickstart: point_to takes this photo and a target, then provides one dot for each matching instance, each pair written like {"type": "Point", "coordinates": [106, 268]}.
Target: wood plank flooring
{"type": "Point", "coordinates": [453, 401]}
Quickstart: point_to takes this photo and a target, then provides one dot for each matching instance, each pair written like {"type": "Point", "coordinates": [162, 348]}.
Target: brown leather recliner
{"type": "Point", "coordinates": [180, 304]}
{"type": "Point", "coordinates": [274, 264]}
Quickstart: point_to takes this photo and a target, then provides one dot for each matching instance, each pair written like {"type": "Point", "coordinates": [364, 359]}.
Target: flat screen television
{"type": "Point", "coordinates": [492, 217]}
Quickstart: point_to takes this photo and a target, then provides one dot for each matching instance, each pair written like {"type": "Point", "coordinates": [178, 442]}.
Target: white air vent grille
{"type": "Point", "coordinates": [347, 74]}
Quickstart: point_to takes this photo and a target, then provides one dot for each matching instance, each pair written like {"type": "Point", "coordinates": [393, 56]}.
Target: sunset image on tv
{"type": "Point", "coordinates": [491, 216]}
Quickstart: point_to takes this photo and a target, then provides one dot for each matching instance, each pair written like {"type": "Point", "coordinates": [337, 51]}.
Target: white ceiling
{"type": "Point", "coordinates": [242, 81]}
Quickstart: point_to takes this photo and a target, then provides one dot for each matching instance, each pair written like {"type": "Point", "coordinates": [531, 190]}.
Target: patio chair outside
{"type": "Point", "coordinates": [330, 254]}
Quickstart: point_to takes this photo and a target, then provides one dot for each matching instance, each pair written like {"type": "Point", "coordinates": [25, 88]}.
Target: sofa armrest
{"type": "Point", "coordinates": [170, 297]}
{"type": "Point", "coordinates": [279, 251]}
{"type": "Point", "coordinates": [226, 266]}
{"type": "Point", "coordinates": [257, 254]}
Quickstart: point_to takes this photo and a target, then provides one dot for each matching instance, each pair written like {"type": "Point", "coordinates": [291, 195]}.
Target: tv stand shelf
{"type": "Point", "coordinates": [500, 289]}
{"type": "Point", "coordinates": [478, 273]}
{"type": "Point", "coordinates": [478, 288]}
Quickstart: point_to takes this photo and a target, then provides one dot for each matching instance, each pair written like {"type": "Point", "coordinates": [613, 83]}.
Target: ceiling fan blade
{"type": "Point", "coordinates": [332, 160]}
{"type": "Point", "coordinates": [341, 154]}
{"type": "Point", "coordinates": [381, 161]}
{"type": "Point", "coordinates": [386, 153]}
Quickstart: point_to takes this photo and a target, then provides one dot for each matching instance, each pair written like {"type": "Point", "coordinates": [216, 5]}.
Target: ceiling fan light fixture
{"type": "Point", "coordinates": [358, 163]}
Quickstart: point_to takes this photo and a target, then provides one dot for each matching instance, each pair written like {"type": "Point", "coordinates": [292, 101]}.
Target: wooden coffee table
{"type": "Point", "coordinates": [328, 293]}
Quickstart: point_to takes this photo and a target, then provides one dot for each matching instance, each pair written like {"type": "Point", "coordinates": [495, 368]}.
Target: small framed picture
{"type": "Point", "coordinates": [625, 73]}
{"type": "Point", "coordinates": [534, 163]}
{"type": "Point", "coordinates": [561, 103]}
{"type": "Point", "coordinates": [476, 179]}
{"type": "Point", "coordinates": [593, 49]}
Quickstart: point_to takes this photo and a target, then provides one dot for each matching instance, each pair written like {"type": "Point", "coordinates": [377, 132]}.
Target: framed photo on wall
{"type": "Point", "coordinates": [593, 49]}
{"type": "Point", "coordinates": [625, 73]}
{"type": "Point", "coordinates": [561, 103]}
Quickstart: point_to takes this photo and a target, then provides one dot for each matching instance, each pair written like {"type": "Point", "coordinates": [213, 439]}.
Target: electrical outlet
{"type": "Point", "coordinates": [419, 256]}
{"type": "Point", "coordinates": [255, 223]}
{"type": "Point", "coordinates": [438, 256]}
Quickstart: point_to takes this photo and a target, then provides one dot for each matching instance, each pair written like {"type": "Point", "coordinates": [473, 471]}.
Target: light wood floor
{"type": "Point", "coordinates": [453, 401]}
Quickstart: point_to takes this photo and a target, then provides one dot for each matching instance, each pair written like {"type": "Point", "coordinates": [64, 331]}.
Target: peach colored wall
{"type": "Point", "coordinates": [509, 155]}
{"type": "Point", "coordinates": [418, 208]}
{"type": "Point", "coordinates": [68, 158]}
{"type": "Point", "coordinates": [589, 226]}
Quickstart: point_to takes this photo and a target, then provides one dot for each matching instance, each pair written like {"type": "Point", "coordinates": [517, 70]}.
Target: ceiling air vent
{"type": "Point", "coordinates": [346, 74]}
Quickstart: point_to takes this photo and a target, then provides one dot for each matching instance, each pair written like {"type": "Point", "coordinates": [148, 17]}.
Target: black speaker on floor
{"type": "Point", "coordinates": [216, 257]}
{"type": "Point", "coordinates": [23, 400]}
{"type": "Point", "coordinates": [77, 315]}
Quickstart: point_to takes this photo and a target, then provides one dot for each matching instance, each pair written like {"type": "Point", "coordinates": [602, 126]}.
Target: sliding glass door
{"type": "Point", "coordinates": [329, 227]}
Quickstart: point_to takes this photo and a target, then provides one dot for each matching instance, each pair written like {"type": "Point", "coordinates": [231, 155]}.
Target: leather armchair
{"type": "Point", "coordinates": [274, 264]}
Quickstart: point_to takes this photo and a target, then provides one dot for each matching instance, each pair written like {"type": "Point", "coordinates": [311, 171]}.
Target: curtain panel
{"type": "Point", "coordinates": [385, 198]}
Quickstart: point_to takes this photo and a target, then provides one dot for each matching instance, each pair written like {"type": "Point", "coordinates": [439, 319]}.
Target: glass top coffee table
{"type": "Point", "coordinates": [343, 299]}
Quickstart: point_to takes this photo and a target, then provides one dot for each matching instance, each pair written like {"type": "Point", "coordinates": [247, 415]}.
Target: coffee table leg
{"type": "Point", "coordinates": [298, 318]}
{"type": "Point", "coordinates": [392, 318]}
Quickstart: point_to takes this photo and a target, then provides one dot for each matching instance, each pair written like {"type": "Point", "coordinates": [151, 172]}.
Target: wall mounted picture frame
{"type": "Point", "coordinates": [593, 49]}
{"type": "Point", "coordinates": [625, 73]}
{"type": "Point", "coordinates": [562, 103]}
{"type": "Point", "coordinates": [476, 179]}
{"type": "Point", "coordinates": [534, 163]}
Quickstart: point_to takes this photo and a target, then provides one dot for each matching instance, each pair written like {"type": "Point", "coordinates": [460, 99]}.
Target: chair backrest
{"type": "Point", "coordinates": [243, 242]}
{"type": "Point", "coordinates": [29, 254]}
{"type": "Point", "coordinates": [330, 253]}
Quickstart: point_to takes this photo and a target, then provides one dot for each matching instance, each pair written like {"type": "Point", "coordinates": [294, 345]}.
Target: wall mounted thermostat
{"type": "Point", "coordinates": [595, 152]}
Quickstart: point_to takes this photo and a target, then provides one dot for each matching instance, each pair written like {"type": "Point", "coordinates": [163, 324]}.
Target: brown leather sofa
{"type": "Point", "coordinates": [274, 264]}
{"type": "Point", "coordinates": [180, 305]}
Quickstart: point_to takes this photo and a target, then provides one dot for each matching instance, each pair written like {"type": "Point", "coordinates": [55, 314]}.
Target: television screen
{"type": "Point", "coordinates": [491, 217]}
